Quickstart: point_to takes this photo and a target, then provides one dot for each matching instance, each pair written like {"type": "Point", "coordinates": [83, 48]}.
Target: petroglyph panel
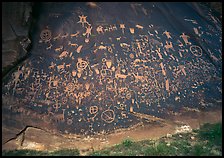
{"type": "Point", "coordinates": [92, 77]}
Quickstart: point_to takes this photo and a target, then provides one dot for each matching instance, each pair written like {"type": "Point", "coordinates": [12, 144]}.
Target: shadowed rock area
{"type": "Point", "coordinates": [97, 68]}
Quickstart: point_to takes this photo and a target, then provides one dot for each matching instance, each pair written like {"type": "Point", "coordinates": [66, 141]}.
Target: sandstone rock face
{"type": "Point", "coordinates": [16, 22]}
{"type": "Point", "coordinates": [96, 68]}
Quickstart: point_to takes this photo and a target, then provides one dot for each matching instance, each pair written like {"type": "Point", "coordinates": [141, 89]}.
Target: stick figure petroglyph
{"type": "Point", "coordinates": [16, 78]}
{"type": "Point", "coordinates": [167, 34]}
{"type": "Point", "coordinates": [169, 46]}
{"type": "Point", "coordinates": [88, 31]}
{"type": "Point", "coordinates": [185, 38]}
{"type": "Point", "coordinates": [122, 26]}
{"type": "Point", "coordinates": [83, 20]}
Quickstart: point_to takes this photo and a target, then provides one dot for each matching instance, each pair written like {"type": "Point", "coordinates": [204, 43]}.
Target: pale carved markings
{"type": "Point", "coordinates": [82, 20]}
{"type": "Point", "coordinates": [185, 38]}
{"type": "Point", "coordinates": [46, 35]}
{"type": "Point", "coordinates": [135, 74]}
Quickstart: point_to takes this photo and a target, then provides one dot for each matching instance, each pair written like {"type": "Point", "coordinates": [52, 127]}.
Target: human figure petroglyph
{"type": "Point", "coordinates": [169, 46]}
{"type": "Point", "coordinates": [82, 19]}
{"type": "Point", "coordinates": [185, 38]}
{"type": "Point", "coordinates": [88, 31]}
{"type": "Point", "coordinates": [16, 79]}
{"type": "Point", "coordinates": [122, 26]}
{"type": "Point", "coordinates": [167, 34]}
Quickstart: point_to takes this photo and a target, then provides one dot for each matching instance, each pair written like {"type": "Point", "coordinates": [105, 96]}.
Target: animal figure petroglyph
{"type": "Point", "coordinates": [101, 47]}
{"type": "Point", "coordinates": [75, 35]}
{"type": "Point", "coordinates": [60, 117]}
{"type": "Point", "coordinates": [63, 54]}
{"type": "Point", "coordinates": [72, 44]}
{"type": "Point", "coordinates": [139, 26]}
{"type": "Point", "coordinates": [59, 49]}
{"type": "Point", "coordinates": [59, 67]}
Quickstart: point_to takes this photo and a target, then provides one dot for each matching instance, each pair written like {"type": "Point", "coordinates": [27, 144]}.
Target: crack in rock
{"type": "Point", "coordinates": [22, 134]}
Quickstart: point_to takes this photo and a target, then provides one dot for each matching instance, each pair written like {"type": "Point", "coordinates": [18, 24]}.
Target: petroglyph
{"type": "Point", "coordinates": [113, 77]}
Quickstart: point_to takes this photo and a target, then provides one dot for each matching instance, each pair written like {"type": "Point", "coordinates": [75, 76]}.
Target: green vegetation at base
{"type": "Point", "coordinates": [206, 141]}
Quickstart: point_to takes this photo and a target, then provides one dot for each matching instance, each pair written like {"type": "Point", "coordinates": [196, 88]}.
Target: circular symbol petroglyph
{"type": "Point", "coordinates": [69, 121]}
{"type": "Point", "coordinates": [93, 109]}
{"type": "Point", "coordinates": [45, 35]}
{"type": "Point", "coordinates": [56, 106]}
{"type": "Point", "coordinates": [132, 56]}
{"type": "Point", "coordinates": [128, 95]}
{"type": "Point", "coordinates": [81, 64]}
{"type": "Point", "coordinates": [70, 87]}
{"type": "Point", "coordinates": [196, 50]}
{"type": "Point", "coordinates": [108, 116]}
